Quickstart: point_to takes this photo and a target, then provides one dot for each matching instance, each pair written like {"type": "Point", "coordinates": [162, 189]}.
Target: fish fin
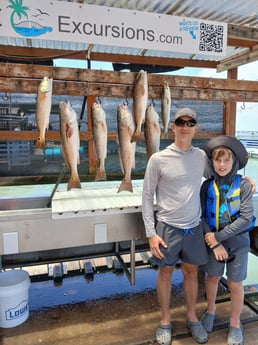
{"type": "Point", "coordinates": [125, 186]}
{"type": "Point", "coordinates": [136, 136]}
{"type": "Point", "coordinates": [69, 131]}
{"type": "Point", "coordinates": [101, 175]}
{"type": "Point", "coordinates": [74, 182]}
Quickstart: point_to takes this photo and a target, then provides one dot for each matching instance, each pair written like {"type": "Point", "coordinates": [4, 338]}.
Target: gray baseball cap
{"type": "Point", "coordinates": [185, 112]}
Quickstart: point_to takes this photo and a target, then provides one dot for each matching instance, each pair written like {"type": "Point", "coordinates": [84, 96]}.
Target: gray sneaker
{"type": "Point", "coordinates": [235, 336]}
{"type": "Point", "coordinates": [208, 321]}
{"type": "Point", "coordinates": [164, 334]}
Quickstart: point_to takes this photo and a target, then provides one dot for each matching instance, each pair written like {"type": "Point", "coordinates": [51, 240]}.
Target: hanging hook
{"type": "Point", "coordinates": [98, 100]}
{"type": "Point", "coordinates": [126, 93]}
{"type": "Point", "coordinates": [5, 97]}
{"type": "Point", "coordinates": [242, 106]}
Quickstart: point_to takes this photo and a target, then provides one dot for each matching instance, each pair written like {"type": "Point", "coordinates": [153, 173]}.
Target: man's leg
{"type": "Point", "coordinates": [190, 273]}
{"type": "Point", "coordinates": [164, 292]}
{"type": "Point", "coordinates": [164, 331]}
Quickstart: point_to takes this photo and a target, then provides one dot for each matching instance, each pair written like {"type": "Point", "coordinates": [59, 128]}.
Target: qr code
{"type": "Point", "coordinates": [211, 38]}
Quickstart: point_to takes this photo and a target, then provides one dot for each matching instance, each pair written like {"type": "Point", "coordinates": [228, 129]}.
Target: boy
{"type": "Point", "coordinates": [227, 204]}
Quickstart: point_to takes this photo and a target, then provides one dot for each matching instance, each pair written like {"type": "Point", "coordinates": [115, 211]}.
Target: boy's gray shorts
{"type": "Point", "coordinates": [235, 270]}
{"type": "Point", "coordinates": [183, 244]}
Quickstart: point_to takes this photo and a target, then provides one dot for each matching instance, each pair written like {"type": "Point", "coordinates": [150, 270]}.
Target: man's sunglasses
{"type": "Point", "coordinates": [181, 123]}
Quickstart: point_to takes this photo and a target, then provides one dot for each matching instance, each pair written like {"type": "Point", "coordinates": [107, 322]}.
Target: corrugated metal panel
{"type": "Point", "coordinates": [237, 12]}
{"type": "Point", "coordinates": [97, 197]}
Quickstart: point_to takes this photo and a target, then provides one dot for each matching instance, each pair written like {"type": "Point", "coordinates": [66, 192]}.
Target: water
{"type": "Point", "coordinates": [251, 170]}
{"type": "Point", "coordinates": [104, 285]}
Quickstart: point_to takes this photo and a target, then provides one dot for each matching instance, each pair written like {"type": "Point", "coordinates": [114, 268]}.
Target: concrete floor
{"type": "Point", "coordinates": [130, 318]}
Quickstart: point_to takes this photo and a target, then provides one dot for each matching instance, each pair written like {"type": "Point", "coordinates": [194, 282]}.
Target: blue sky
{"type": "Point", "coordinates": [247, 113]}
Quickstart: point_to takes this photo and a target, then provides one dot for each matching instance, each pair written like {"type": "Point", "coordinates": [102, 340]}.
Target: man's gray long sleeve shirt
{"type": "Point", "coordinates": [174, 178]}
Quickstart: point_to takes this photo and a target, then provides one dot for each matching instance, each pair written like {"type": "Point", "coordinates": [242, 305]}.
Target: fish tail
{"type": "Point", "coordinates": [135, 136]}
{"type": "Point", "coordinates": [164, 135]}
{"type": "Point", "coordinates": [125, 186]}
{"type": "Point", "coordinates": [40, 143]}
{"type": "Point", "coordinates": [74, 182]}
{"type": "Point", "coordinates": [100, 175]}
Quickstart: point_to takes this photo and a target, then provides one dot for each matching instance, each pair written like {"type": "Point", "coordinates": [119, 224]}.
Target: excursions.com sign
{"type": "Point", "coordinates": [91, 24]}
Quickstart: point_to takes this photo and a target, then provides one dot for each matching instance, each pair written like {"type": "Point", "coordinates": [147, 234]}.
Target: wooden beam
{"type": "Point", "coordinates": [249, 55]}
{"type": "Point", "coordinates": [22, 78]}
{"type": "Point", "coordinates": [34, 73]}
{"type": "Point", "coordinates": [241, 43]}
{"type": "Point", "coordinates": [55, 135]}
{"type": "Point", "coordinates": [243, 33]}
{"type": "Point", "coordinates": [189, 88]}
{"type": "Point", "coordinates": [34, 55]}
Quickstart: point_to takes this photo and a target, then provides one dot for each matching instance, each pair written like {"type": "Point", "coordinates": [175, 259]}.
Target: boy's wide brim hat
{"type": "Point", "coordinates": [230, 142]}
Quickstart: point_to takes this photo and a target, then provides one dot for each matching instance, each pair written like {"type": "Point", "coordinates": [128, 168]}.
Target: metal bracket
{"type": "Point", "coordinates": [129, 273]}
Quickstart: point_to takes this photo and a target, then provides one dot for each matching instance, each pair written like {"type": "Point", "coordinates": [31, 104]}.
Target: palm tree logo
{"type": "Point", "coordinates": [22, 25]}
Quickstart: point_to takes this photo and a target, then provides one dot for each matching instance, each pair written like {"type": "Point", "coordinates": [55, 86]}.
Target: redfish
{"type": "Point", "coordinates": [165, 109]}
{"type": "Point", "coordinates": [100, 132]}
{"type": "Point", "coordinates": [43, 109]}
{"type": "Point", "coordinates": [140, 99]}
{"type": "Point", "coordinates": [70, 142]}
{"type": "Point", "coordinates": [151, 131]}
{"type": "Point", "coordinates": [126, 151]}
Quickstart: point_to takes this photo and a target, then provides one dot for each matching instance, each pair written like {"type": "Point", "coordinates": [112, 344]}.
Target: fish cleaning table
{"type": "Point", "coordinates": [93, 221]}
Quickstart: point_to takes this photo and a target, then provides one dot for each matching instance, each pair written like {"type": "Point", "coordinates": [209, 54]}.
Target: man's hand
{"type": "Point", "coordinates": [155, 242]}
{"type": "Point", "coordinates": [252, 183]}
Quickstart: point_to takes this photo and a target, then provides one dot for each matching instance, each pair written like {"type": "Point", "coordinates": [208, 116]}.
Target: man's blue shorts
{"type": "Point", "coordinates": [182, 245]}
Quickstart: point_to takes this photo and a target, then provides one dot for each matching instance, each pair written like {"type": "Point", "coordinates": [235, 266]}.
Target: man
{"type": "Point", "coordinates": [174, 176]}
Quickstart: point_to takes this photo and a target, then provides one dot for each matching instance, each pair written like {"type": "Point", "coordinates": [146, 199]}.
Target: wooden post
{"type": "Point", "coordinates": [229, 122]}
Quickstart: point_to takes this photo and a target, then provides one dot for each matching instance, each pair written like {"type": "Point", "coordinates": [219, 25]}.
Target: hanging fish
{"type": "Point", "coordinates": [98, 117]}
{"type": "Point", "coordinates": [70, 142]}
{"type": "Point", "coordinates": [165, 109]}
{"type": "Point", "coordinates": [151, 131]}
{"type": "Point", "coordinates": [43, 108]}
{"type": "Point", "coordinates": [140, 99]}
{"type": "Point", "coordinates": [126, 151]}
